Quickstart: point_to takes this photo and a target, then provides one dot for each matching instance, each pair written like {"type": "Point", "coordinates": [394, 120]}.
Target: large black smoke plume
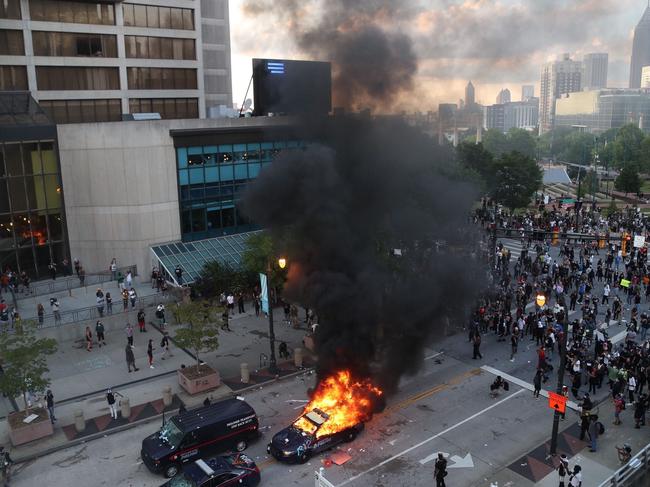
{"type": "Point", "coordinates": [371, 64]}
{"type": "Point", "coordinates": [339, 209]}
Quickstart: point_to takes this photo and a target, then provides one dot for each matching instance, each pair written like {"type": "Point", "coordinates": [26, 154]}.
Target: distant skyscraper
{"type": "Point", "coordinates": [470, 95]}
{"type": "Point", "coordinates": [527, 92]}
{"type": "Point", "coordinates": [640, 49]}
{"type": "Point", "coordinates": [594, 71]}
{"type": "Point", "coordinates": [558, 77]}
{"type": "Point", "coordinates": [645, 77]}
{"type": "Point", "coordinates": [504, 97]}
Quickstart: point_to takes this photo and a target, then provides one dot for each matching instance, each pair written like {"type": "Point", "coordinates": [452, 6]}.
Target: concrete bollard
{"type": "Point", "coordinates": [79, 421]}
{"type": "Point", "coordinates": [297, 357]}
{"type": "Point", "coordinates": [245, 374]}
{"type": "Point", "coordinates": [125, 407]}
{"type": "Point", "coordinates": [167, 396]}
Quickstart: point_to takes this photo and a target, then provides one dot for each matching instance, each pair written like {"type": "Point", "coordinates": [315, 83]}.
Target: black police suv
{"type": "Point", "coordinates": [225, 425]}
{"type": "Point", "coordinates": [297, 445]}
{"type": "Point", "coordinates": [221, 471]}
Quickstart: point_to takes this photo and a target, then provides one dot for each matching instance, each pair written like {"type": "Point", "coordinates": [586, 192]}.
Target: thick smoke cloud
{"type": "Point", "coordinates": [371, 64]}
{"type": "Point", "coordinates": [339, 208]}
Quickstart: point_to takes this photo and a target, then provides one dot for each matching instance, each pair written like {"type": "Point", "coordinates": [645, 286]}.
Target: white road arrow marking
{"type": "Point", "coordinates": [433, 456]}
{"type": "Point", "coordinates": [460, 462]}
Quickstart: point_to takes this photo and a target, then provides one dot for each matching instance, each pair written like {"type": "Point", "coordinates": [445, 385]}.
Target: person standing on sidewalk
{"type": "Point", "coordinates": [110, 399]}
{"type": "Point", "coordinates": [141, 320]}
{"type": "Point", "coordinates": [440, 470]}
{"type": "Point", "coordinates": [109, 304]}
{"type": "Point", "coordinates": [562, 469]}
{"type": "Point", "coordinates": [129, 334]}
{"type": "Point", "coordinates": [132, 296]}
{"type": "Point", "coordinates": [129, 280]}
{"type": "Point", "coordinates": [476, 343]}
{"type": "Point", "coordinates": [593, 433]}
{"type": "Point", "coordinates": [89, 339]}
{"type": "Point", "coordinates": [125, 300]}
{"type": "Point", "coordinates": [49, 399]}
{"type": "Point", "coordinates": [537, 382]}
{"type": "Point", "coordinates": [164, 344]}
{"type": "Point", "coordinates": [130, 358]}
{"type": "Point", "coordinates": [99, 329]}
{"type": "Point", "coordinates": [150, 350]}
{"type": "Point", "coordinates": [619, 405]}
{"type": "Point", "coordinates": [575, 479]}
{"type": "Point", "coordinates": [113, 268]}
{"type": "Point", "coordinates": [5, 466]}
{"type": "Point", "coordinates": [82, 276]}
{"type": "Point", "coordinates": [514, 341]}
{"type": "Point", "coordinates": [40, 311]}
{"type": "Point", "coordinates": [54, 304]}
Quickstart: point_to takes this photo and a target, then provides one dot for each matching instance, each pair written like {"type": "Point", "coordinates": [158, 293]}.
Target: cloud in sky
{"type": "Point", "coordinates": [496, 44]}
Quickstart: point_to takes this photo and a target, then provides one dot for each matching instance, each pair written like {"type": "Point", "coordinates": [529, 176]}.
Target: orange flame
{"type": "Point", "coordinates": [347, 403]}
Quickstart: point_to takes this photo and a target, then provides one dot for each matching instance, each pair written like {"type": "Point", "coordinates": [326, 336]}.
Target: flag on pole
{"type": "Point", "coordinates": [264, 296]}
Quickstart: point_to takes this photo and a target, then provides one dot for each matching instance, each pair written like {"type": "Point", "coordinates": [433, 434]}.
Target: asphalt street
{"type": "Point", "coordinates": [445, 407]}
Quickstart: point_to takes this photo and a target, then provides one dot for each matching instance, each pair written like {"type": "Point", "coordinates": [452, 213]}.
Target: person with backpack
{"type": "Point", "coordinates": [141, 321]}
{"type": "Point", "coordinates": [575, 479]}
{"type": "Point", "coordinates": [593, 433]}
{"type": "Point", "coordinates": [562, 469]}
{"type": "Point", "coordinates": [440, 470]}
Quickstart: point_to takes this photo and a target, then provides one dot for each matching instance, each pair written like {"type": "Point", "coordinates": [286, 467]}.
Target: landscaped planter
{"type": "Point", "coordinates": [198, 379]}
{"type": "Point", "coordinates": [21, 433]}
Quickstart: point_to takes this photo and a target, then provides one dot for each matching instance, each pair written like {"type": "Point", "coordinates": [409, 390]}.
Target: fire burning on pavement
{"type": "Point", "coordinates": [345, 402]}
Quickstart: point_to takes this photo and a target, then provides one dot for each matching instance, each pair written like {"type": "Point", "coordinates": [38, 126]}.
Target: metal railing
{"type": "Point", "coordinates": [320, 480]}
{"type": "Point", "coordinates": [51, 286]}
{"type": "Point", "coordinates": [636, 468]}
{"type": "Point", "coordinates": [92, 313]}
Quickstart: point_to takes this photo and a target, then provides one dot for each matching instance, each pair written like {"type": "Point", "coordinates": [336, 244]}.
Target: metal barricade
{"type": "Point", "coordinates": [632, 471]}
{"type": "Point", "coordinates": [321, 481]}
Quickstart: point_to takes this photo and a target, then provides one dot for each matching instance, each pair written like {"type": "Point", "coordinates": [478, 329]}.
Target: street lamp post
{"type": "Point", "coordinates": [558, 390]}
{"type": "Point", "coordinates": [273, 365]}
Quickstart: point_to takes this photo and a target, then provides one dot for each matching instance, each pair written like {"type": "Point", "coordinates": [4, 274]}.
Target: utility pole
{"type": "Point", "coordinates": [560, 384]}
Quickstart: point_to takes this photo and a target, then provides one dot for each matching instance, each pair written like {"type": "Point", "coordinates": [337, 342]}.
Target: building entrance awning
{"type": "Point", "coordinates": [192, 256]}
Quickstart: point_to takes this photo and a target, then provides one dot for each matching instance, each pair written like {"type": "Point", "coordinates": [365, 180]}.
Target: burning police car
{"type": "Point", "coordinates": [308, 435]}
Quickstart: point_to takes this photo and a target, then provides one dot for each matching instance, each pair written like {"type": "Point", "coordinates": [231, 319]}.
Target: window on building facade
{"type": "Point", "coordinates": [10, 9]}
{"type": "Point", "coordinates": [74, 111]}
{"type": "Point", "coordinates": [161, 79]}
{"type": "Point", "coordinates": [11, 42]}
{"type": "Point", "coordinates": [211, 181]}
{"type": "Point", "coordinates": [76, 78]}
{"type": "Point", "coordinates": [74, 44]}
{"type": "Point", "coordinates": [13, 78]}
{"type": "Point", "coordinates": [155, 17]}
{"type": "Point", "coordinates": [159, 48]}
{"type": "Point", "coordinates": [72, 12]}
{"type": "Point", "coordinates": [168, 108]}
{"type": "Point", "coordinates": [32, 230]}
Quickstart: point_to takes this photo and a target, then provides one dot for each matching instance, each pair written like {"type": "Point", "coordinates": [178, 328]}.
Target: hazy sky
{"type": "Point", "coordinates": [497, 44]}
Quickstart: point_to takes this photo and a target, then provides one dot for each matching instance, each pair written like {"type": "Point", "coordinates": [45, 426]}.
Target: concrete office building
{"type": "Point", "coordinates": [557, 78]}
{"type": "Point", "coordinates": [645, 77]}
{"type": "Point", "coordinates": [597, 111]}
{"type": "Point", "coordinates": [640, 49]}
{"type": "Point", "coordinates": [506, 116]}
{"type": "Point", "coordinates": [494, 117]}
{"type": "Point", "coordinates": [594, 71]}
{"type": "Point", "coordinates": [527, 92]}
{"type": "Point", "coordinates": [86, 61]}
{"type": "Point", "coordinates": [503, 97]}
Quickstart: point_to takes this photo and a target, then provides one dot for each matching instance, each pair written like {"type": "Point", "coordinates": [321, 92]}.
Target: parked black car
{"type": "Point", "coordinates": [225, 425]}
{"type": "Point", "coordinates": [223, 471]}
{"type": "Point", "coordinates": [297, 445]}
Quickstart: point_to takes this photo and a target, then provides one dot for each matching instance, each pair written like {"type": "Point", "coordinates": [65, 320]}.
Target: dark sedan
{"type": "Point", "coordinates": [220, 471]}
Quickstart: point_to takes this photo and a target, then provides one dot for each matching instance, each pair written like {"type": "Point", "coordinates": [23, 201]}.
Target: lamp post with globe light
{"type": "Point", "coordinates": [273, 365]}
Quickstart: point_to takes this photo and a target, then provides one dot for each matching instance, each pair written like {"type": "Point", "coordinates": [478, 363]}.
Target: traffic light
{"type": "Point", "coordinates": [625, 243]}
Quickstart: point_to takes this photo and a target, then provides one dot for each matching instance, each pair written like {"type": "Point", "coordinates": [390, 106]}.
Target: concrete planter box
{"type": "Point", "coordinates": [198, 379]}
{"type": "Point", "coordinates": [21, 433]}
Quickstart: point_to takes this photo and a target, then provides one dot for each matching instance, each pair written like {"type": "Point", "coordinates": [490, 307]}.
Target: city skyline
{"type": "Point", "coordinates": [458, 41]}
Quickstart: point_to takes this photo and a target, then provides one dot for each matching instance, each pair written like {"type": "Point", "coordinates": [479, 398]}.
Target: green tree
{"type": "Point", "coordinates": [515, 180]}
{"type": "Point", "coordinates": [578, 148]}
{"type": "Point", "coordinates": [627, 146]}
{"type": "Point", "coordinates": [261, 251]}
{"type": "Point", "coordinates": [521, 141]}
{"type": "Point", "coordinates": [24, 361]}
{"type": "Point", "coordinates": [589, 183]}
{"type": "Point", "coordinates": [476, 158]}
{"type": "Point", "coordinates": [644, 155]}
{"type": "Point", "coordinates": [628, 179]}
{"type": "Point", "coordinates": [200, 333]}
{"type": "Point", "coordinates": [495, 142]}
{"type": "Point", "coordinates": [216, 277]}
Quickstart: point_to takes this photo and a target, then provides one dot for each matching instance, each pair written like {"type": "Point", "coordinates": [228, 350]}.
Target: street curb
{"type": "Point", "coordinates": [118, 429]}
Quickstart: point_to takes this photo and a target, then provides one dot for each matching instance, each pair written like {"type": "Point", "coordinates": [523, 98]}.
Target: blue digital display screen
{"type": "Point", "coordinates": [275, 67]}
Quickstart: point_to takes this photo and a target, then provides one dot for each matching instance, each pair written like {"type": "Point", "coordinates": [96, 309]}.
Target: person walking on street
{"type": "Point", "coordinates": [141, 321]}
{"type": "Point", "coordinates": [110, 399]}
{"type": "Point", "coordinates": [89, 339]}
{"type": "Point", "coordinates": [593, 433]}
{"type": "Point", "coordinates": [150, 350]}
{"type": "Point", "coordinates": [164, 344]}
{"type": "Point", "coordinates": [5, 466]}
{"type": "Point", "coordinates": [129, 333]}
{"type": "Point", "coordinates": [537, 382]}
{"type": "Point", "coordinates": [575, 479]}
{"type": "Point", "coordinates": [132, 296]}
{"type": "Point", "coordinates": [476, 342]}
{"type": "Point", "coordinates": [99, 329]}
{"type": "Point", "coordinates": [49, 399]}
{"type": "Point", "coordinates": [40, 310]}
{"type": "Point", "coordinates": [109, 304]}
{"type": "Point", "coordinates": [619, 405]}
{"type": "Point", "coordinates": [440, 470]}
{"type": "Point", "coordinates": [514, 341]}
{"type": "Point", "coordinates": [130, 358]}
{"type": "Point", "coordinates": [631, 387]}
{"type": "Point", "coordinates": [562, 469]}
{"type": "Point", "coordinates": [125, 300]}
{"type": "Point", "coordinates": [640, 407]}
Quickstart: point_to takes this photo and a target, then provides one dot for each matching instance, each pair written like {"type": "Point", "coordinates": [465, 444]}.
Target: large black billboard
{"type": "Point", "coordinates": [292, 87]}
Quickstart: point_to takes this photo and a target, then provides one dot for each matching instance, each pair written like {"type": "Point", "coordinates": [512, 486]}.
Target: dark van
{"type": "Point", "coordinates": [225, 425]}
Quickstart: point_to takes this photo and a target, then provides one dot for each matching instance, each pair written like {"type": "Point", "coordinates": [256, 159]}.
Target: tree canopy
{"type": "Point", "coordinates": [628, 180]}
{"type": "Point", "coordinates": [515, 179]}
{"type": "Point", "coordinates": [200, 332]}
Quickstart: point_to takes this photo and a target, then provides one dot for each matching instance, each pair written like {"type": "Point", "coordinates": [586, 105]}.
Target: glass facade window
{"type": "Point", "coordinates": [72, 12]}
{"type": "Point", "coordinates": [13, 78]}
{"type": "Point", "coordinates": [11, 42]}
{"type": "Point", "coordinates": [211, 182]}
{"type": "Point", "coordinates": [159, 48]}
{"type": "Point", "coordinates": [77, 78]}
{"type": "Point", "coordinates": [73, 44]}
{"type": "Point", "coordinates": [155, 17]}
{"type": "Point", "coordinates": [76, 111]}
{"type": "Point", "coordinates": [161, 79]}
{"type": "Point", "coordinates": [32, 229]}
{"type": "Point", "coordinates": [168, 108]}
{"type": "Point", "coordinates": [10, 9]}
